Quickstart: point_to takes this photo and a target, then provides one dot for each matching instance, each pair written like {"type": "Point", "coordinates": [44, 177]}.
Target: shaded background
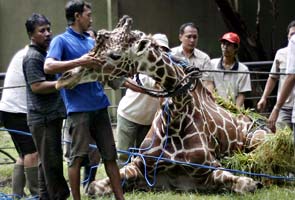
{"type": "Point", "coordinates": [152, 16]}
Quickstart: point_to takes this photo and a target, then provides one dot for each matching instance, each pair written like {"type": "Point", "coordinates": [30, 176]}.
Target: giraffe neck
{"type": "Point", "coordinates": [157, 65]}
{"type": "Point", "coordinates": [79, 75]}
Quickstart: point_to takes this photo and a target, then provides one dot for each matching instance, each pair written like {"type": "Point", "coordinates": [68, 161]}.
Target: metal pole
{"type": "Point", "coordinates": [109, 14]}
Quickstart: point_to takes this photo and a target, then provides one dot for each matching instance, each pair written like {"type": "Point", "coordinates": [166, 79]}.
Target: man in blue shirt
{"type": "Point", "coordinates": [87, 103]}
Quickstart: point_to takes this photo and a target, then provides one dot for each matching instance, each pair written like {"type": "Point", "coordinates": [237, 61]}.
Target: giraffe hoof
{"type": "Point", "coordinates": [89, 189]}
{"type": "Point", "coordinates": [259, 185]}
{"type": "Point", "coordinates": [245, 185]}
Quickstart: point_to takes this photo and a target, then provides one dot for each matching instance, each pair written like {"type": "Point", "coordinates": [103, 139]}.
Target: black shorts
{"type": "Point", "coordinates": [24, 144]}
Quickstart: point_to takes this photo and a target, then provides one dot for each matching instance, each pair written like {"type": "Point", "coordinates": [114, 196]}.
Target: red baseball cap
{"type": "Point", "coordinates": [231, 37]}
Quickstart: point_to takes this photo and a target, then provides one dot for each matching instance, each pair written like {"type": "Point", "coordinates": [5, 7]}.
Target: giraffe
{"type": "Point", "coordinates": [189, 128]}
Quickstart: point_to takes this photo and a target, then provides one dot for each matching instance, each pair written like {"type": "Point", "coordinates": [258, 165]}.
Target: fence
{"type": "Point", "coordinates": [257, 81]}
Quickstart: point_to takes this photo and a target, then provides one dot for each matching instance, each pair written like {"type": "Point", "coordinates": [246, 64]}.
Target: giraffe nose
{"type": "Point", "coordinates": [114, 56]}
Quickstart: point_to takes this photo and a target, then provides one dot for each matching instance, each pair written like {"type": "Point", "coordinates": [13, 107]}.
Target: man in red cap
{"type": "Point", "coordinates": [231, 86]}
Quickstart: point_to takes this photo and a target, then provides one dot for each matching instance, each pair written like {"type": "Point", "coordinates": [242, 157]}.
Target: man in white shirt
{"type": "Point", "coordinates": [287, 88]}
{"type": "Point", "coordinates": [13, 107]}
{"type": "Point", "coordinates": [188, 36]}
{"type": "Point", "coordinates": [279, 65]}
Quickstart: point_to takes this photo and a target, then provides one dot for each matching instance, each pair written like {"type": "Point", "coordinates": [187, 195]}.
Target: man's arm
{"type": "Point", "coordinates": [43, 87]}
{"type": "Point", "coordinates": [240, 100]}
{"type": "Point", "coordinates": [287, 89]}
{"type": "Point", "coordinates": [52, 66]}
{"type": "Point", "coordinates": [270, 84]}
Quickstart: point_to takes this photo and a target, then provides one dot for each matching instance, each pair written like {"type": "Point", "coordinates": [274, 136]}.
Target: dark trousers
{"type": "Point", "coordinates": [47, 137]}
{"type": "Point", "coordinates": [24, 144]}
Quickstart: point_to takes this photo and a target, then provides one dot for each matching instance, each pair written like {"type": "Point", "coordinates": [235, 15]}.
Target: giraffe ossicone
{"type": "Point", "coordinates": [190, 127]}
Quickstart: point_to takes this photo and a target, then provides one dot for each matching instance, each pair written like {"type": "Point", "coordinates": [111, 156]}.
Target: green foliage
{"type": "Point", "coordinates": [230, 106]}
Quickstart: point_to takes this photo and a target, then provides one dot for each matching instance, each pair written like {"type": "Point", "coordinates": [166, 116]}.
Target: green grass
{"type": "Point", "coordinates": [273, 192]}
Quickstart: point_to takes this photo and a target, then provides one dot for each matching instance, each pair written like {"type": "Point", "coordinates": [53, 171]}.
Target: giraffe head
{"type": "Point", "coordinates": [146, 56]}
{"type": "Point", "coordinates": [118, 39]}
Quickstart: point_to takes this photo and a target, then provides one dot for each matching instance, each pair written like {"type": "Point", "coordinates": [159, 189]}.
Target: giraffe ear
{"type": "Point", "coordinates": [142, 46]}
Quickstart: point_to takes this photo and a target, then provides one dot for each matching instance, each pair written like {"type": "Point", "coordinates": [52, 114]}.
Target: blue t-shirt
{"type": "Point", "coordinates": [84, 97]}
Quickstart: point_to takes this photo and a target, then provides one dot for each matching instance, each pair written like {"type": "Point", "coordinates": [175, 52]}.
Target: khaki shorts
{"type": "Point", "coordinates": [85, 127]}
{"type": "Point", "coordinates": [93, 153]}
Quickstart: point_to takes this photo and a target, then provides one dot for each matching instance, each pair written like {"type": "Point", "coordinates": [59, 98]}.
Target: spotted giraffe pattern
{"type": "Point", "coordinates": [189, 128]}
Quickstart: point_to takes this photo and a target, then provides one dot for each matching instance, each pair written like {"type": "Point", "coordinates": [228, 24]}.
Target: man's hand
{"type": "Point", "coordinates": [261, 104]}
{"type": "Point", "coordinates": [91, 62]}
{"type": "Point", "coordinates": [273, 119]}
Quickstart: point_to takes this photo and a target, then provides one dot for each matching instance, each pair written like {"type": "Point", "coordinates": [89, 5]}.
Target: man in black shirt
{"type": "Point", "coordinates": [45, 111]}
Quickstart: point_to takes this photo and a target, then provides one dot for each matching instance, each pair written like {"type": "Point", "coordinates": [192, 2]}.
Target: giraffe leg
{"type": "Point", "coordinates": [238, 184]}
{"type": "Point", "coordinates": [103, 187]}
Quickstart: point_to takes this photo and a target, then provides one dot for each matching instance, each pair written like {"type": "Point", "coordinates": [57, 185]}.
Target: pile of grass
{"type": "Point", "coordinates": [275, 156]}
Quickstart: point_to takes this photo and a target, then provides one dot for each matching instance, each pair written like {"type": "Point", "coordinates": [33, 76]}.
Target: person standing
{"type": "Point", "coordinates": [87, 103]}
{"type": "Point", "coordinates": [189, 36]}
{"type": "Point", "coordinates": [287, 87]}
{"type": "Point", "coordinates": [45, 110]}
{"type": "Point", "coordinates": [13, 107]}
{"type": "Point", "coordinates": [279, 65]}
{"type": "Point", "coordinates": [90, 168]}
{"type": "Point", "coordinates": [136, 111]}
{"type": "Point", "coordinates": [231, 86]}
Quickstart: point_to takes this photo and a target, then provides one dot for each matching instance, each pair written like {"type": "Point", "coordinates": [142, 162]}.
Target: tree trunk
{"type": "Point", "coordinates": [251, 48]}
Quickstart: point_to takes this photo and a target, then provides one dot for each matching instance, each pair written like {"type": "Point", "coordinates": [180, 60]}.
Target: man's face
{"type": "Point", "coordinates": [291, 32]}
{"type": "Point", "coordinates": [189, 38]}
{"type": "Point", "coordinates": [85, 19]}
{"type": "Point", "coordinates": [42, 36]}
{"type": "Point", "coordinates": [228, 49]}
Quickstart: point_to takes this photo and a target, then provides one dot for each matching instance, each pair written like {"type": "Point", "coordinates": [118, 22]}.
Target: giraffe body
{"type": "Point", "coordinates": [189, 128]}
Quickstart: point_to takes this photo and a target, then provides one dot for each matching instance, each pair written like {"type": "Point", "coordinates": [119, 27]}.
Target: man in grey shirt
{"type": "Point", "coordinates": [46, 111]}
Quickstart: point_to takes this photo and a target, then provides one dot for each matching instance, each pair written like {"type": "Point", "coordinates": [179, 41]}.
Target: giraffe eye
{"type": "Point", "coordinates": [114, 56]}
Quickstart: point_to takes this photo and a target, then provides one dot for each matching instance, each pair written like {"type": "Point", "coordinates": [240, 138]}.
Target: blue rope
{"type": "Point", "coordinates": [90, 173]}
{"type": "Point", "coordinates": [4, 196]}
{"type": "Point", "coordinates": [132, 149]}
{"type": "Point", "coordinates": [214, 168]}
{"type": "Point", "coordinates": [16, 131]}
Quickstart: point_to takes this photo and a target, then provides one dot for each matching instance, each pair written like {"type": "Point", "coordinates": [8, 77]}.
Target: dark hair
{"type": "Point", "coordinates": [34, 21]}
{"type": "Point", "coordinates": [183, 26]}
{"type": "Point", "coordinates": [74, 6]}
{"type": "Point", "coordinates": [291, 24]}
